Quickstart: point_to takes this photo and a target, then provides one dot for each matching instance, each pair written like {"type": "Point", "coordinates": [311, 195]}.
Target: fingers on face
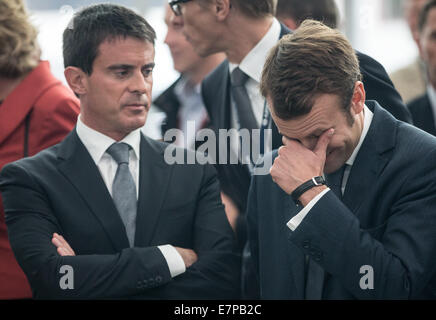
{"type": "Point", "coordinates": [323, 142]}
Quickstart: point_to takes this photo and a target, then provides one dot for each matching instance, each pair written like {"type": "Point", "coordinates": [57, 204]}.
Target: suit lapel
{"type": "Point", "coordinates": [79, 168]}
{"type": "Point", "coordinates": [372, 157]}
{"type": "Point", "coordinates": [223, 97]}
{"type": "Point", "coordinates": [169, 103]}
{"type": "Point", "coordinates": [154, 179]}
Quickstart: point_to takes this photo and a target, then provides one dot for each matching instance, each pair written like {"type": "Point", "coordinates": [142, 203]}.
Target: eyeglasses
{"type": "Point", "coordinates": [175, 6]}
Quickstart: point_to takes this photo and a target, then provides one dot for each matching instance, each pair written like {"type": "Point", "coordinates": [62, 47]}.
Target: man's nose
{"type": "Point", "coordinates": [139, 83]}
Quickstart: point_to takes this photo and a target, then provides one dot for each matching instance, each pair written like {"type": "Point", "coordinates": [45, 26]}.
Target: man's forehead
{"type": "Point", "coordinates": [121, 39]}
{"type": "Point", "coordinates": [126, 48]}
{"type": "Point", "coordinates": [315, 122]}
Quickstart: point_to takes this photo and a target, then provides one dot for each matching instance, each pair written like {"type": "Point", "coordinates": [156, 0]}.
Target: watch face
{"type": "Point", "coordinates": [320, 180]}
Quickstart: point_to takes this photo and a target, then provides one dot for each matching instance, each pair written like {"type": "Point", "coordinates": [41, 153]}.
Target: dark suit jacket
{"type": "Point", "coordinates": [387, 220]}
{"type": "Point", "coordinates": [170, 104]}
{"type": "Point", "coordinates": [422, 114]}
{"type": "Point", "coordinates": [61, 190]}
{"type": "Point", "coordinates": [235, 179]}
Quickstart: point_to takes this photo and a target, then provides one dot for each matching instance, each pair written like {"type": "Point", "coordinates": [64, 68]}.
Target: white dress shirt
{"type": "Point", "coordinates": [97, 143]}
{"type": "Point", "coordinates": [252, 65]}
{"type": "Point", "coordinates": [298, 218]}
{"type": "Point", "coordinates": [191, 109]}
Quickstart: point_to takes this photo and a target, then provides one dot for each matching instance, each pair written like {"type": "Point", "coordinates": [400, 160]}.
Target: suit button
{"type": "Point", "coordinates": [306, 244]}
{"type": "Point", "coordinates": [158, 279]}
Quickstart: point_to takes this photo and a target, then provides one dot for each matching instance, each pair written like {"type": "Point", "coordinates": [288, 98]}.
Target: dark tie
{"type": "Point", "coordinates": [334, 180]}
{"type": "Point", "coordinates": [242, 101]}
{"type": "Point", "coordinates": [245, 114]}
{"type": "Point", "coordinates": [124, 189]}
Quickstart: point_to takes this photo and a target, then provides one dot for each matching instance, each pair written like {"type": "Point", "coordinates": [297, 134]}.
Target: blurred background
{"type": "Point", "coordinates": [375, 27]}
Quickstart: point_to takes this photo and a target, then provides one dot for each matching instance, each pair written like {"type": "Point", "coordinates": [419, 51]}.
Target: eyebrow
{"type": "Point", "coordinates": [129, 66]}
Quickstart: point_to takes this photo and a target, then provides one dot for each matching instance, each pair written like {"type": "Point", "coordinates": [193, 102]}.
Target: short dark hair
{"type": "Point", "coordinates": [95, 24]}
{"type": "Point", "coordinates": [423, 15]}
{"type": "Point", "coordinates": [325, 11]}
{"type": "Point", "coordinates": [314, 60]}
{"type": "Point", "coordinates": [256, 8]}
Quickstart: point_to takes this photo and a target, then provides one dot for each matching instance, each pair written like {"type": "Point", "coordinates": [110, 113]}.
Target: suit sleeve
{"type": "Point", "coordinates": [402, 260]}
{"type": "Point", "coordinates": [379, 87]}
{"type": "Point", "coordinates": [31, 224]}
{"type": "Point", "coordinates": [251, 281]}
{"type": "Point", "coordinates": [216, 274]}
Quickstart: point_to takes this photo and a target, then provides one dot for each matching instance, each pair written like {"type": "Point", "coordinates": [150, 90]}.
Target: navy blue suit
{"type": "Point", "coordinates": [235, 179]}
{"type": "Point", "coordinates": [386, 219]}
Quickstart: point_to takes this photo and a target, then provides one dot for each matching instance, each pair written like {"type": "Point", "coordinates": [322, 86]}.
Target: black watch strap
{"type": "Point", "coordinates": [314, 182]}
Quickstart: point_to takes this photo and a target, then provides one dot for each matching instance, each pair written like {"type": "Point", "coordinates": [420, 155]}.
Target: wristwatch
{"type": "Point", "coordinates": [314, 182]}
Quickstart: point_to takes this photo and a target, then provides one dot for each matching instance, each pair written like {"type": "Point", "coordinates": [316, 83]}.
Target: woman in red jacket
{"type": "Point", "coordinates": [36, 111]}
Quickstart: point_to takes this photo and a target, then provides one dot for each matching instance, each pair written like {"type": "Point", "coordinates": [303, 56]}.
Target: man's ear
{"type": "Point", "coordinates": [222, 9]}
{"type": "Point", "coordinates": [76, 79]}
{"type": "Point", "coordinates": [358, 99]}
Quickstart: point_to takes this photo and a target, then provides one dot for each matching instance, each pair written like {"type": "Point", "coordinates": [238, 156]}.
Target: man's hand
{"type": "Point", "coordinates": [231, 210]}
{"type": "Point", "coordinates": [296, 164]}
{"type": "Point", "coordinates": [62, 245]}
{"type": "Point", "coordinates": [188, 256]}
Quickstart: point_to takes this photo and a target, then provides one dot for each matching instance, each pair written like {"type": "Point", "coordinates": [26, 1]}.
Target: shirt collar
{"type": "Point", "coordinates": [368, 115]}
{"type": "Point", "coordinates": [253, 62]}
{"type": "Point", "coordinates": [184, 88]}
{"type": "Point", "coordinates": [97, 143]}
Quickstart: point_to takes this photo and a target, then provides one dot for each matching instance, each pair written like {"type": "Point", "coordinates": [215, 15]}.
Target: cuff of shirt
{"type": "Point", "coordinates": [298, 218]}
{"type": "Point", "coordinates": [174, 260]}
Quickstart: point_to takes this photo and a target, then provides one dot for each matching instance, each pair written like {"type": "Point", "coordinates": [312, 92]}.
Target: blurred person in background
{"type": "Point", "coordinates": [36, 112]}
{"type": "Point", "coordinates": [423, 108]}
{"type": "Point", "coordinates": [182, 101]}
{"type": "Point", "coordinates": [411, 80]}
{"type": "Point", "coordinates": [293, 12]}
